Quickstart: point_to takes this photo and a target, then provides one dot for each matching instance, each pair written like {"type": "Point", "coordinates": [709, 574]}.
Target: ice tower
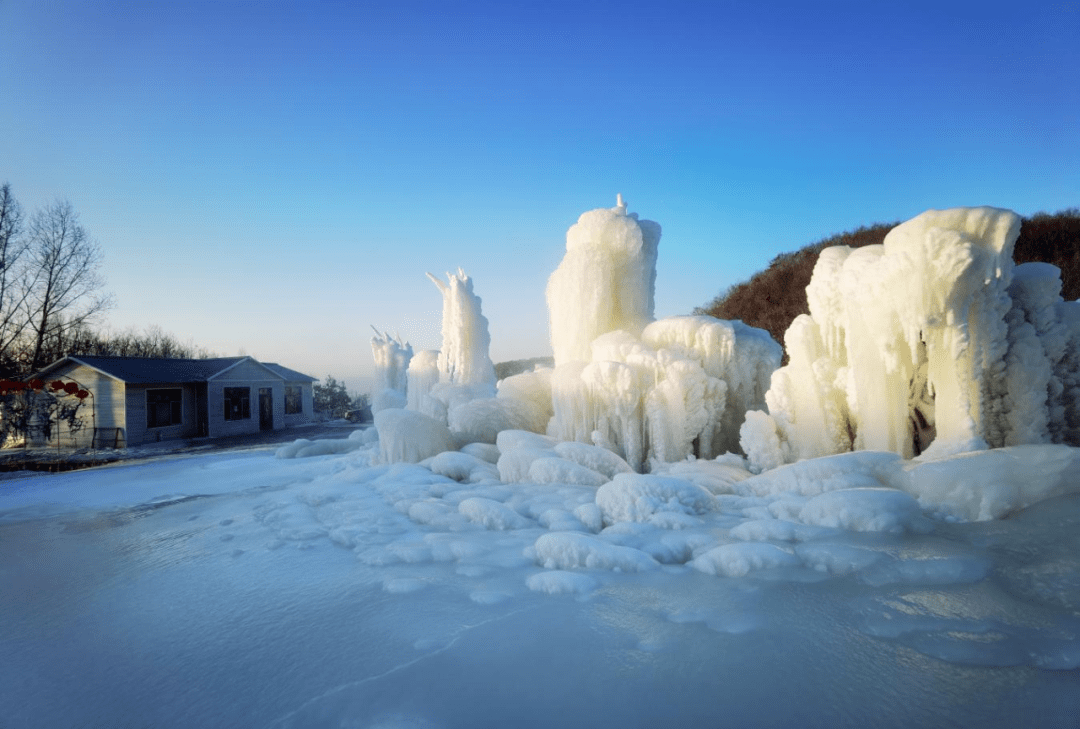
{"type": "Point", "coordinates": [606, 281]}
{"type": "Point", "coordinates": [463, 359]}
{"type": "Point", "coordinates": [391, 357]}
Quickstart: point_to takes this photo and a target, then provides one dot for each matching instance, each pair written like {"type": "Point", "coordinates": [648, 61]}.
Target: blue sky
{"type": "Point", "coordinates": [273, 177]}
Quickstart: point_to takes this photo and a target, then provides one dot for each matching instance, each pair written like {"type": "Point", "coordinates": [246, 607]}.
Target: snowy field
{"type": "Point", "coordinates": [246, 590]}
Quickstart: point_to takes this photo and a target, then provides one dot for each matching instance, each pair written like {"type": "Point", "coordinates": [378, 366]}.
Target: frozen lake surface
{"type": "Point", "coordinates": [237, 589]}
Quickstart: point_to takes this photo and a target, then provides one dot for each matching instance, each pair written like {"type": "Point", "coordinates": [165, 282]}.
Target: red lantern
{"type": "Point", "coordinates": [71, 388]}
{"type": "Point", "coordinates": [36, 384]}
{"type": "Point", "coordinates": [57, 385]}
{"type": "Point", "coordinates": [82, 394]}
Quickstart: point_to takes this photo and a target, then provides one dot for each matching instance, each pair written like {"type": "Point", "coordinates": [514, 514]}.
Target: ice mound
{"type": "Point", "coordinates": [864, 510]}
{"type": "Point", "coordinates": [594, 458]}
{"type": "Point", "coordinates": [406, 436]}
{"type": "Point", "coordinates": [492, 514]}
{"type": "Point", "coordinates": [483, 451]}
{"type": "Point", "coordinates": [481, 420]}
{"type": "Point", "coordinates": [740, 558]}
{"type": "Point", "coordinates": [636, 497]}
{"type": "Point", "coordinates": [869, 469]}
{"type": "Point", "coordinates": [992, 484]}
{"type": "Point", "coordinates": [531, 391]}
{"type": "Point", "coordinates": [304, 448]}
{"type": "Point", "coordinates": [570, 550]}
{"type": "Point", "coordinates": [930, 342]}
{"type": "Point", "coordinates": [463, 467]}
{"type": "Point", "coordinates": [552, 469]}
{"type": "Point", "coordinates": [719, 475]}
{"type": "Point", "coordinates": [560, 582]}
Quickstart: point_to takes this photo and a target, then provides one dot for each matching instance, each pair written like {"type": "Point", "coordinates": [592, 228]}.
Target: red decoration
{"type": "Point", "coordinates": [82, 394]}
{"type": "Point", "coordinates": [57, 384]}
{"type": "Point", "coordinates": [71, 388]}
{"type": "Point", "coordinates": [36, 384]}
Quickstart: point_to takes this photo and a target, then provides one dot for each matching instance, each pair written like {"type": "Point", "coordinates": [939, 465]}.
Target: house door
{"type": "Point", "coordinates": [266, 408]}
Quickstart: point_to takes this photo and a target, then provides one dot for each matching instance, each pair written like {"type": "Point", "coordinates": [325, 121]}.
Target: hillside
{"type": "Point", "coordinates": [772, 298]}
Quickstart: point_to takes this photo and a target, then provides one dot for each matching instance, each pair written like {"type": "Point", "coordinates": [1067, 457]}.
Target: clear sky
{"type": "Point", "coordinates": [274, 177]}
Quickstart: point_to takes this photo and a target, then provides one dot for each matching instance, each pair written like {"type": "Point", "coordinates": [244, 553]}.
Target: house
{"type": "Point", "coordinates": [137, 400]}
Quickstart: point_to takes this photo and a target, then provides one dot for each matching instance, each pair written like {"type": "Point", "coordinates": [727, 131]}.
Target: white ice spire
{"type": "Point", "coordinates": [619, 202]}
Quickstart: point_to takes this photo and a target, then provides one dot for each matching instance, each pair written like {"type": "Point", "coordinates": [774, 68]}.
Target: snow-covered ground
{"type": "Point", "coordinates": [245, 590]}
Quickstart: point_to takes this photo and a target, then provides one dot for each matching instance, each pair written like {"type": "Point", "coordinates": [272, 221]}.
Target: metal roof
{"type": "Point", "coordinates": [286, 373]}
{"type": "Point", "coordinates": [151, 370]}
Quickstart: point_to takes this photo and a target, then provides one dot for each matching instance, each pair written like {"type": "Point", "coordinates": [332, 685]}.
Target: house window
{"type": "Point", "coordinates": [294, 400]}
{"type": "Point", "coordinates": [164, 407]}
{"type": "Point", "coordinates": [237, 403]}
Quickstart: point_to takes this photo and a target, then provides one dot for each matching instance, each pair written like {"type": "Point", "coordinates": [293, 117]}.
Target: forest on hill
{"type": "Point", "coordinates": [772, 298]}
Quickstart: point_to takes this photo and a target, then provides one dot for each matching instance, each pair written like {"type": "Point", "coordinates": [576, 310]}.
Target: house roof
{"type": "Point", "coordinates": [290, 375]}
{"type": "Point", "coordinates": [150, 370]}
{"type": "Point", "coordinates": [154, 370]}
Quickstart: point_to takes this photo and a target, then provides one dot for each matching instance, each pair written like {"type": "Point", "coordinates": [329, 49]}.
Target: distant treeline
{"type": "Point", "coordinates": [772, 298]}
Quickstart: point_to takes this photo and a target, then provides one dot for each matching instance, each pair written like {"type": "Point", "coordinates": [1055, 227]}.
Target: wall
{"type": "Point", "coordinates": [105, 411]}
{"type": "Point", "coordinates": [308, 397]}
{"type": "Point", "coordinates": [253, 376]}
{"type": "Point", "coordinates": [136, 410]}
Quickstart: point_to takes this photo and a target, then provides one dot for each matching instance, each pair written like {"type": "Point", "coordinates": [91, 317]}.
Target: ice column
{"type": "Point", "coordinates": [391, 357]}
{"type": "Point", "coordinates": [605, 282]}
{"type": "Point", "coordinates": [463, 359]}
{"type": "Point", "coordinates": [920, 344]}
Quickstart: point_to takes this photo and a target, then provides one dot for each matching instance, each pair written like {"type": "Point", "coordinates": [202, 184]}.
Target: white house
{"type": "Point", "coordinates": [138, 400]}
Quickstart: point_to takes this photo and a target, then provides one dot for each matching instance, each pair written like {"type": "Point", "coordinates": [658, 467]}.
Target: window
{"type": "Point", "coordinates": [164, 408]}
{"type": "Point", "coordinates": [237, 403]}
{"type": "Point", "coordinates": [294, 400]}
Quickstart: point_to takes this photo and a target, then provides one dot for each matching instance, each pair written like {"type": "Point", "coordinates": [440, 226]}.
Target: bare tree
{"type": "Point", "coordinates": [62, 278]}
{"type": "Point", "coordinates": [13, 293]}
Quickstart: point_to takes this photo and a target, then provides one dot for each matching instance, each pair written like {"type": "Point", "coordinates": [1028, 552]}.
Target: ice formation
{"type": "Point", "coordinates": [463, 359]}
{"type": "Point", "coordinates": [929, 343]}
{"type": "Point", "coordinates": [643, 390]}
{"type": "Point", "coordinates": [391, 357]}
{"type": "Point", "coordinates": [606, 281]}
{"type": "Point", "coordinates": [647, 390]}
